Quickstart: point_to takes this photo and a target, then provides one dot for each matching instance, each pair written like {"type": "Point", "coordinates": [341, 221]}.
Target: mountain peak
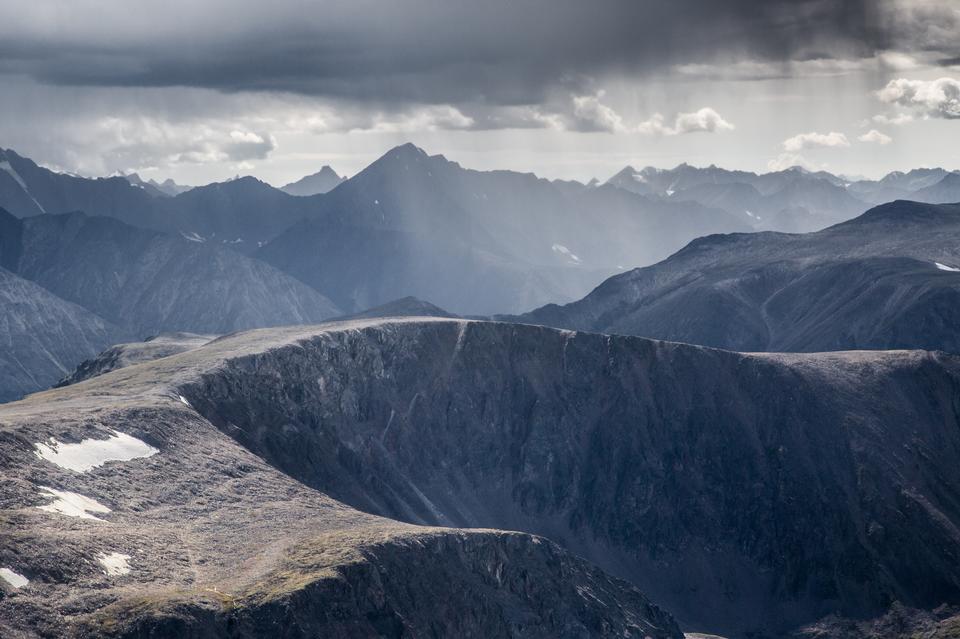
{"type": "Point", "coordinates": [408, 148]}
{"type": "Point", "coordinates": [324, 180]}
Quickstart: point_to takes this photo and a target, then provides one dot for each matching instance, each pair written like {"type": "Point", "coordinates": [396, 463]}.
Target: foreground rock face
{"type": "Point", "coordinates": [216, 541]}
{"type": "Point", "coordinates": [744, 493]}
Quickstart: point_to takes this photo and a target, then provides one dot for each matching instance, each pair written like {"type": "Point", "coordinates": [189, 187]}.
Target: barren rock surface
{"type": "Point", "coordinates": [222, 543]}
{"type": "Point", "coordinates": [746, 494]}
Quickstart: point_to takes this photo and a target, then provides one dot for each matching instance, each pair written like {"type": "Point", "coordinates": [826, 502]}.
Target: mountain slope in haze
{"type": "Point", "coordinates": [793, 200]}
{"type": "Point", "coordinates": [946, 190]}
{"type": "Point", "coordinates": [27, 189]}
{"type": "Point", "coordinates": [404, 307]}
{"type": "Point", "coordinates": [123, 355]}
{"type": "Point", "coordinates": [149, 282]}
{"type": "Point", "coordinates": [42, 337]}
{"type": "Point", "coordinates": [241, 213]}
{"type": "Point", "coordinates": [474, 242]}
{"type": "Point", "coordinates": [745, 493]}
{"type": "Point", "coordinates": [888, 279]}
{"type": "Point", "coordinates": [899, 185]}
{"type": "Point", "coordinates": [326, 179]}
{"type": "Point", "coordinates": [167, 188]}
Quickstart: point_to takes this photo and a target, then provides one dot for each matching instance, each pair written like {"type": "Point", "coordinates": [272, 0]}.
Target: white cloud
{"type": "Point", "coordinates": [808, 140]}
{"type": "Point", "coordinates": [875, 137]}
{"type": "Point", "coordinates": [894, 120]}
{"type": "Point", "coordinates": [938, 98]}
{"type": "Point", "coordinates": [705, 120]}
{"type": "Point", "coordinates": [592, 115]}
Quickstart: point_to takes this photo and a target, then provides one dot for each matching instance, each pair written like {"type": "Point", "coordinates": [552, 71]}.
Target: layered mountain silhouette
{"type": "Point", "coordinates": [132, 283]}
{"type": "Point", "coordinates": [887, 279]}
{"type": "Point", "coordinates": [412, 224]}
{"type": "Point", "coordinates": [793, 200]}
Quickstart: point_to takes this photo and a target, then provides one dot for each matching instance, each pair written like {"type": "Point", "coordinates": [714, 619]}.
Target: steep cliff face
{"type": "Point", "coordinates": [744, 493]}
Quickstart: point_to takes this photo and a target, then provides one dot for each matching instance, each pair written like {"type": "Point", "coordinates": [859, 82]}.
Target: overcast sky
{"type": "Point", "coordinates": [201, 91]}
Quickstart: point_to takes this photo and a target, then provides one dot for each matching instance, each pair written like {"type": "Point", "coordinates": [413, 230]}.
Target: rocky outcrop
{"type": "Point", "coordinates": [123, 355]}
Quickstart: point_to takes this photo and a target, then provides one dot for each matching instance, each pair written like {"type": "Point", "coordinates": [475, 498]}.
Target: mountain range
{"type": "Point", "coordinates": [888, 279]}
{"type": "Point", "coordinates": [792, 200]}
{"type": "Point", "coordinates": [131, 283]}
{"type": "Point", "coordinates": [474, 242]}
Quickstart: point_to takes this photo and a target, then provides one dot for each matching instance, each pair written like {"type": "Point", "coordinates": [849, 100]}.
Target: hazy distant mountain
{"type": "Point", "coordinates": [167, 188]}
{"type": "Point", "coordinates": [149, 282]}
{"type": "Point", "coordinates": [792, 200]}
{"type": "Point", "coordinates": [476, 242]}
{"type": "Point", "coordinates": [404, 307]}
{"type": "Point", "coordinates": [27, 189]}
{"type": "Point", "coordinates": [243, 213]}
{"type": "Point", "coordinates": [42, 337]}
{"type": "Point", "coordinates": [898, 185]}
{"type": "Point", "coordinates": [326, 179]}
{"type": "Point", "coordinates": [947, 190]}
{"type": "Point", "coordinates": [888, 279]}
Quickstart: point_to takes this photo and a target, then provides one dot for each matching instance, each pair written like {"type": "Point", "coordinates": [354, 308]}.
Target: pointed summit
{"type": "Point", "coordinates": [324, 180]}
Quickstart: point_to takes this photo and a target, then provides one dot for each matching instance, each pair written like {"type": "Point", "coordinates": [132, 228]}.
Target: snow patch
{"type": "Point", "coordinates": [91, 453]}
{"type": "Point", "coordinates": [670, 192]}
{"type": "Point", "coordinates": [71, 504]}
{"type": "Point", "coordinates": [184, 401]}
{"type": "Point", "coordinates": [563, 250]}
{"type": "Point", "coordinates": [192, 236]}
{"type": "Point", "coordinates": [944, 267]}
{"type": "Point", "coordinates": [115, 564]}
{"type": "Point", "coordinates": [16, 580]}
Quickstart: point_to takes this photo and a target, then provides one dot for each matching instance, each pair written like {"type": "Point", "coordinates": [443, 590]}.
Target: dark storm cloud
{"type": "Point", "coordinates": [496, 52]}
